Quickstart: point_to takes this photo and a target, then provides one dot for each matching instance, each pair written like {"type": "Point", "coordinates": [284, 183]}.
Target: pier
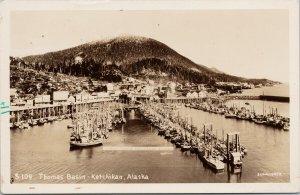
{"type": "Point", "coordinates": [22, 113]}
{"type": "Point", "coordinates": [188, 100]}
{"type": "Point", "coordinates": [217, 98]}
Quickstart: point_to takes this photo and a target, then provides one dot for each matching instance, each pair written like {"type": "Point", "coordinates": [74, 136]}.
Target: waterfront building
{"type": "Point", "coordinates": [19, 102]}
{"type": "Point", "coordinates": [42, 100]}
{"type": "Point", "coordinates": [172, 87]}
{"type": "Point", "coordinates": [201, 87]}
{"type": "Point", "coordinates": [71, 99]}
{"type": "Point", "coordinates": [82, 97]}
{"type": "Point", "coordinates": [202, 94]}
{"type": "Point", "coordinates": [168, 94]}
{"type": "Point", "coordinates": [109, 87]}
{"type": "Point", "coordinates": [29, 103]}
{"type": "Point", "coordinates": [130, 79]}
{"type": "Point", "coordinates": [13, 94]}
{"type": "Point", "coordinates": [102, 95]}
{"type": "Point", "coordinates": [148, 90]}
{"type": "Point", "coordinates": [188, 95]}
{"type": "Point", "coordinates": [151, 82]}
{"type": "Point", "coordinates": [60, 97]}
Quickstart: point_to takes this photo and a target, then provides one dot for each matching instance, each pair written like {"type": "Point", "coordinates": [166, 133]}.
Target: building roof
{"type": "Point", "coordinates": [233, 133]}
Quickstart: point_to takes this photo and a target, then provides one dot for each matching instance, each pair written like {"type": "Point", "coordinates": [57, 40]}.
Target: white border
{"type": "Point", "coordinates": [292, 5]}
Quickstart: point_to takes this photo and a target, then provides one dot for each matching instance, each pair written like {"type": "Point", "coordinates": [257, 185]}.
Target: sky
{"type": "Point", "coordinates": [247, 43]}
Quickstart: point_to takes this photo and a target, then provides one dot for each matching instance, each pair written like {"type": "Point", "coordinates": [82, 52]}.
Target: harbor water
{"type": "Point", "coordinates": [265, 106]}
{"type": "Point", "coordinates": [278, 90]}
{"type": "Point", "coordinates": [44, 152]}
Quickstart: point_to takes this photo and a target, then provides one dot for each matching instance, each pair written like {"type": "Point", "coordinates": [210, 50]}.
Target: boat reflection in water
{"type": "Point", "coordinates": [80, 152]}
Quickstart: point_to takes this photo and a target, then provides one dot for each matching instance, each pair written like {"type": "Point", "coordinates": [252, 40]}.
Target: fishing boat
{"type": "Point", "coordinates": [185, 146]}
{"type": "Point", "coordinates": [194, 146]}
{"type": "Point", "coordinates": [244, 150]}
{"type": "Point", "coordinates": [50, 119]}
{"type": "Point", "coordinates": [13, 125]}
{"type": "Point", "coordinates": [32, 122]}
{"type": "Point", "coordinates": [161, 131]}
{"type": "Point", "coordinates": [85, 141]}
{"type": "Point", "coordinates": [41, 121]}
{"type": "Point", "coordinates": [258, 121]}
{"type": "Point", "coordinates": [175, 139]}
{"type": "Point", "coordinates": [70, 126]}
{"type": "Point", "coordinates": [86, 131]}
{"type": "Point", "coordinates": [178, 143]}
{"type": "Point", "coordinates": [26, 126]}
{"type": "Point", "coordinates": [207, 152]}
{"type": "Point", "coordinates": [286, 127]}
{"type": "Point", "coordinates": [212, 161]}
{"type": "Point", "coordinates": [109, 128]}
{"type": "Point", "coordinates": [215, 164]}
{"type": "Point", "coordinates": [230, 115]}
{"type": "Point", "coordinates": [234, 151]}
{"type": "Point", "coordinates": [236, 159]}
{"type": "Point", "coordinates": [194, 149]}
{"type": "Point", "coordinates": [59, 118]}
{"type": "Point", "coordinates": [167, 134]}
{"type": "Point", "coordinates": [20, 125]}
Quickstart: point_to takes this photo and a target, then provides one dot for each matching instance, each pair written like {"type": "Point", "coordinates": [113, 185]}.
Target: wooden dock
{"type": "Point", "coordinates": [17, 113]}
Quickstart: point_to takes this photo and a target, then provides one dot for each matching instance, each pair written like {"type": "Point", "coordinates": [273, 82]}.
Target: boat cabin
{"type": "Point", "coordinates": [236, 159]}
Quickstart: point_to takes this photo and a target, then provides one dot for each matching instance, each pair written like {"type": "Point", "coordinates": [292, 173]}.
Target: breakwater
{"type": "Point", "coordinates": [274, 98]}
{"type": "Point", "coordinates": [258, 97]}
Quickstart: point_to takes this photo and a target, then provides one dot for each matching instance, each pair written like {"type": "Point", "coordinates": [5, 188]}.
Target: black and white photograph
{"type": "Point", "coordinates": [150, 96]}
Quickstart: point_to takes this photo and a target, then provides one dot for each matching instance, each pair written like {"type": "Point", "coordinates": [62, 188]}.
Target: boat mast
{"type": "Point", "coordinates": [223, 135]}
{"type": "Point", "coordinates": [216, 135]}
{"type": "Point", "coordinates": [263, 106]}
{"type": "Point", "coordinates": [204, 135]}
{"type": "Point", "coordinates": [191, 124]}
{"type": "Point", "coordinates": [76, 125]}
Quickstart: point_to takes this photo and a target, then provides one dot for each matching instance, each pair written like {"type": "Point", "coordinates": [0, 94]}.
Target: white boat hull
{"type": "Point", "coordinates": [85, 144]}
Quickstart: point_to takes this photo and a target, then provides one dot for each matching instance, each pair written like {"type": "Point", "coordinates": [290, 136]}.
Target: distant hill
{"type": "Point", "coordinates": [113, 59]}
{"type": "Point", "coordinates": [216, 70]}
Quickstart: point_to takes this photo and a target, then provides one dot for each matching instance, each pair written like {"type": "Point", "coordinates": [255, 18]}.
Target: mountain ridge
{"type": "Point", "coordinates": [126, 56]}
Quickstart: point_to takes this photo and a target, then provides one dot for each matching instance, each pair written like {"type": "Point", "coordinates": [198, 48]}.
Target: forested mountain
{"type": "Point", "coordinates": [112, 59]}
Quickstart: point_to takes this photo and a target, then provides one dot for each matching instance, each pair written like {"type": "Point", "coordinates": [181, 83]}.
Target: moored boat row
{"type": "Point", "coordinates": [40, 121]}
{"type": "Point", "coordinates": [202, 142]}
{"type": "Point", "coordinates": [272, 119]}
